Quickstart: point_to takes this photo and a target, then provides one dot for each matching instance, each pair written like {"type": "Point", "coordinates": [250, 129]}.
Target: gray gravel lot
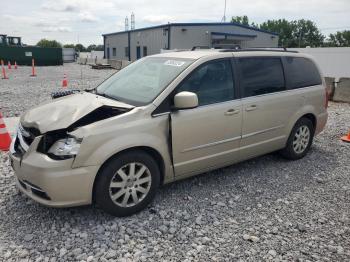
{"type": "Point", "coordinates": [21, 92]}
{"type": "Point", "coordinates": [267, 208]}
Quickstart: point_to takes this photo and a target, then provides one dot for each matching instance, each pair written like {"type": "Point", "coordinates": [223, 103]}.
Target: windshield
{"type": "Point", "coordinates": [142, 81]}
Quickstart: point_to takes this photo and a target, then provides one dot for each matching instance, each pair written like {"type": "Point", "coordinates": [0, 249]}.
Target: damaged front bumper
{"type": "Point", "coordinates": [50, 182]}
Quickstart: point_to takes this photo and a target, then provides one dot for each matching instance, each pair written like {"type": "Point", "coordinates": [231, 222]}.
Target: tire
{"type": "Point", "coordinates": [119, 180]}
{"type": "Point", "coordinates": [291, 150]}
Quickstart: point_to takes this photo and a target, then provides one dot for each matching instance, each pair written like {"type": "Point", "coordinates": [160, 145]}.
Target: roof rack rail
{"type": "Point", "coordinates": [199, 47]}
{"type": "Point", "coordinates": [271, 49]}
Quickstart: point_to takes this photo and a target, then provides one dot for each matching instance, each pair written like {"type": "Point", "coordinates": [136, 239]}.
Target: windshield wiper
{"type": "Point", "coordinates": [106, 96]}
{"type": "Point", "coordinates": [91, 90]}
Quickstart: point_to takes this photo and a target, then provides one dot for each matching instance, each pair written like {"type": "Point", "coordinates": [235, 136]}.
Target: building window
{"type": "Point", "coordinates": [126, 51]}
{"type": "Point", "coordinates": [114, 51]}
{"type": "Point", "coordinates": [145, 51]}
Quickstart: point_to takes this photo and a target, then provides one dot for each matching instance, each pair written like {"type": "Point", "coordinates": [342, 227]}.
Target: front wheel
{"type": "Point", "coordinates": [300, 140]}
{"type": "Point", "coordinates": [127, 183]}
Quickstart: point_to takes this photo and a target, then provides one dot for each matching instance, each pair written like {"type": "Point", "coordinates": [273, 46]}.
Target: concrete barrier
{"type": "Point", "coordinates": [125, 63]}
{"type": "Point", "coordinates": [330, 83]}
{"type": "Point", "coordinates": [342, 91]}
{"type": "Point", "coordinates": [118, 64]}
{"type": "Point", "coordinates": [91, 61]}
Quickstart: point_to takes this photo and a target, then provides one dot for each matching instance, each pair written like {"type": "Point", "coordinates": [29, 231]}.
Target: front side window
{"type": "Point", "coordinates": [142, 81]}
{"type": "Point", "coordinates": [212, 82]}
{"type": "Point", "coordinates": [301, 72]}
{"type": "Point", "coordinates": [261, 75]}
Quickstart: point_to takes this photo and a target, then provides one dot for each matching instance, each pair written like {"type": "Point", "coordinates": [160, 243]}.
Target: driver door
{"type": "Point", "coordinates": [208, 136]}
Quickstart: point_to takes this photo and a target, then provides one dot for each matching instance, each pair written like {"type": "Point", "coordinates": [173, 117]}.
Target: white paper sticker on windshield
{"type": "Point", "coordinates": [174, 63]}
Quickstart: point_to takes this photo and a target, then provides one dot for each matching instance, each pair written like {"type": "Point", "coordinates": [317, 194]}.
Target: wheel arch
{"type": "Point", "coordinates": [149, 150]}
{"type": "Point", "coordinates": [311, 117]}
{"type": "Point", "coordinates": [308, 114]}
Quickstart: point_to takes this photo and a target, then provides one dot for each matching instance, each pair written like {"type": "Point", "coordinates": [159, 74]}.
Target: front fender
{"type": "Point", "coordinates": [98, 147]}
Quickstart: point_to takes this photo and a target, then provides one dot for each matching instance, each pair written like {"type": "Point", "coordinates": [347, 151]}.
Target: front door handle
{"type": "Point", "coordinates": [232, 111]}
{"type": "Point", "coordinates": [251, 108]}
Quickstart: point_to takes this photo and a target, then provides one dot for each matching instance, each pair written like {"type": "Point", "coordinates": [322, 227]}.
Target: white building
{"type": "Point", "coordinates": [137, 43]}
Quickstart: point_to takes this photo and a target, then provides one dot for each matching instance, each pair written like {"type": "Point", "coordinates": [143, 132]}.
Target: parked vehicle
{"type": "Point", "coordinates": [167, 117]}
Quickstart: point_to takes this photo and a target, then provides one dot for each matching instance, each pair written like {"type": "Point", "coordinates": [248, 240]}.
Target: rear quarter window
{"type": "Point", "coordinates": [301, 72]}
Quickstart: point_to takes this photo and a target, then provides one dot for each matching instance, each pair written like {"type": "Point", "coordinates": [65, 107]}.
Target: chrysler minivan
{"type": "Point", "coordinates": [167, 117]}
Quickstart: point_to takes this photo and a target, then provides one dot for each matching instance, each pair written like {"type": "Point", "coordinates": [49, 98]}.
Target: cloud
{"type": "Point", "coordinates": [87, 17]}
{"type": "Point", "coordinates": [61, 6]}
{"type": "Point", "coordinates": [157, 19]}
{"type": "Point", "coordinates": [56, 18]}
{"type": "Point", "coordinates": [61, 29]}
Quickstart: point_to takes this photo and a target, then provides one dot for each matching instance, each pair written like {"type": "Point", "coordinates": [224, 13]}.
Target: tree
{"type": "Point", "coordinates": [80, 48]}
{"type": "Point", "coordinates": [90, 48]}
{"type": "Point", "coordinates": [297, 33]}
{"type": "Point", "coordinates": [49, 43]}
{"type": "Point", "coordinates": [100, 48]}
{"type": "Point", "coordinates": [69, 46]}
{"type": "Point", "coordinates": [283, 28]}
{"type": "Point", "coordinates": [243, 20]}
{"type": "Point", "coordinates": [307, 34]}
{"type": "Point", "coordinates": [339, 39]}
{"type": "Point", "coordinates": [94, 47]}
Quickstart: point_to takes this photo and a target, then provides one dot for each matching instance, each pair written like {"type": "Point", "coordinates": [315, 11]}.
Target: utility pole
{"type": "Point", "coordinates": [224, 17]}
{"type": "Point", "coordinates": [126, 24]}
{"type": "Point", "coordinates": [132, 21]}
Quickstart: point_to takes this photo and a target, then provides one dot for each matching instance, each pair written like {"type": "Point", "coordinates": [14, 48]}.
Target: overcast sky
{"type": "Point", "coordinates": [70, 21]}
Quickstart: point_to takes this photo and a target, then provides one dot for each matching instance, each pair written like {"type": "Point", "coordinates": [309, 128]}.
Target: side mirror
{"type": "Point", "coordinates": [185, 100]}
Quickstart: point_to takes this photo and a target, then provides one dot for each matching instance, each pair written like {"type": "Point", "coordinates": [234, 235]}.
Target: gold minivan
{"type": "Point", "coordinates": [166, 117]}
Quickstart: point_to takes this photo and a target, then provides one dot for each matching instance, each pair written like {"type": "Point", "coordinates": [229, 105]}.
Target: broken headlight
{"type": "Point", "coordinates": [66, 147]}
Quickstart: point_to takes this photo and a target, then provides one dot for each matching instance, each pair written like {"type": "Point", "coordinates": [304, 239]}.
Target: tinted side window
{"type": "Point", "coordinates": [261, 75]}
{"type": "Point", "coordinates": [212, 82]}
{"type": "Point", "coordinates": [301, 72]}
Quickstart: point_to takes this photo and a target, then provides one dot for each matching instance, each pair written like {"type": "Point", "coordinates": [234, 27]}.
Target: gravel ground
{"type": "Point", "coordinates": [265, 209]}
{"type": "Point", "coordinates": [21, 92]}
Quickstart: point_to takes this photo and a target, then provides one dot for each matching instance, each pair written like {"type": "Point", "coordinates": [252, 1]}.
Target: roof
{"type": "Point", "coordinates": [193, 24]}
{"type": "Point", "coordinates": [188, 54]}
{"type": "Point", "coordinates": [230, 34]}
{"type": "Point", "coordinates": [237, 53]}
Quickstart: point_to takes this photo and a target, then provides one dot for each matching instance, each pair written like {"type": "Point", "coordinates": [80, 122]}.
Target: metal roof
{"type": "Point", "coordinates": [231, 34]}
{"type": "Point", "coordinates": [193, 24]}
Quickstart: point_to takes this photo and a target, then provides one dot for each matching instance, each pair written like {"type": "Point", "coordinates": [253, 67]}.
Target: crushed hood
{"type": "Point", "coordinates": [64, 112]}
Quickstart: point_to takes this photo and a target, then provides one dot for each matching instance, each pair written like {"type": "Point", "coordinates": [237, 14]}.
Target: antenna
{"type": "Point", "coordinates": [126, 23]}
{"type": "Point", "coordinates": [132, 21]}
{"type": "Point", "coordinates": [224, 17]}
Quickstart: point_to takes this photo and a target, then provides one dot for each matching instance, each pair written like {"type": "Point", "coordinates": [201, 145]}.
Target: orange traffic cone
{"type": "Point", "coordinates": [15, 65]}
{"type": "Point", "coordinates": [3, 70]}
{"type": "Point", "coordinates": [346, 138]}
{"type": "Point", "coordinates": [64, 81]}
{"type": "Point", "coordinates": [33, 68]}
{"type": "Point", "coordinates": [9, 65]}
{"type": "Point", "coordinates": [5, 139]}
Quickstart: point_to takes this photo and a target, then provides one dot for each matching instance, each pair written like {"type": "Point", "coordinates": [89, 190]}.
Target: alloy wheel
{"type": "Point", "coordinates": [301, 139]}
{"type": "Point", "coordinates": [130, 184]}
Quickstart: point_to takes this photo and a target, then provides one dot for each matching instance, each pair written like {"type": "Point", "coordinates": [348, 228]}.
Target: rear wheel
{"type": "Point", "coordinates": [127, 183]}
{"type": "Point", "coordinates": [300, 140]}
